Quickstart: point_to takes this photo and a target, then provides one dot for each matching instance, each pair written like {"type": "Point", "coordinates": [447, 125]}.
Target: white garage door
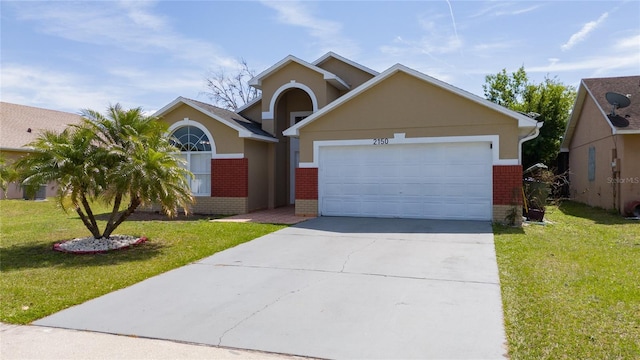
{"type": "Point", "coordinates": [429, 181]}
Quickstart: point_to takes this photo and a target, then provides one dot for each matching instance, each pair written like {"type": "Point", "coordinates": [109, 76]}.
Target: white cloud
{"type": "Point", "coordinates": [504, 9]}
{"type": "Point", "coordinates": [599, 64]}
{"type": "Point", "coordinates": [453, 21]}
{"type": "Point", "coordinates": [42, 87]}
{"type": "Point", "coordinates": [439, 38]}
{"type": "Point", "coordinates": [582, 34]}
{"type": "Point", "coordinates": [523, 11]}
{"type": "Point", "coordinates": [130, 25]}
{"type": "Point", "coordinates": [623, 56]}
{"type": "Point", "coordinates": [489, 49]}
{"type": "Point", "coordinates": [631, 43]}
{"type": "Point", "coordinates": [426, 45]}
{"type": "Point", "coordinates": [328, 33]}
{"type": "Point", "coordinates": [137, 52]}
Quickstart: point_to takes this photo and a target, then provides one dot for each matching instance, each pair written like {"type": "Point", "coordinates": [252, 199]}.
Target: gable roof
{"type": "Point", "coordinates": [597, 88]}
{"type": "Point", "coordinates": [16, 120]}
{"type": "Point", "coordinates": [318, 63]}
{"type": "Point", "coordinates": [331, 54]}
{"type": "Point", "coordinates": [331, 78]}
{"type": "Point", "coordinates": [523, 120]}
{"type": "Point", "coordinates": [245, 127]}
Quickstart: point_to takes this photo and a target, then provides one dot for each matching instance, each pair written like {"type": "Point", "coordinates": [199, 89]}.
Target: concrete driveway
{"type": "Point", "coordinates": [329, 287]}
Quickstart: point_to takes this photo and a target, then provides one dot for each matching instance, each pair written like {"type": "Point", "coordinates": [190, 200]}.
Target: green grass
{"type": "Point", "coordinates": [37, 281]}
{"type": "Point", "coordinates": [571, 290]}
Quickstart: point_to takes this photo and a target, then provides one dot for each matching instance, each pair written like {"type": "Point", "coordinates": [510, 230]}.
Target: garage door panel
{"type": "Point", "coordinates": [475, 211]}
{"type": "Point", "coordinates": [369, 189]}
{"type": "Point", "coordinates": [337, 205]}
{"type": "Point", "coordinates": [388, 189]}
{"type": "Point", "coordinates": [463, 191]}
{"type": "Point", "coordinates": [413, 157]}
{"type": "Point", "coordinates": [457, 172]}
{"type": "Point", "coordinates": [411, 189]}
{"type": "Point", "coordinates": [334, 171]}
{"type": "Point", "coordinates": [333, 189]}
{"type": "Point", "coordinates": [440, 181]}
{"type": "Point", "coordinates": [369, 170]}
{"type": "Point", "coordinates": [354, 189]}
{"type": "Point", "coordinates": [415, 171]}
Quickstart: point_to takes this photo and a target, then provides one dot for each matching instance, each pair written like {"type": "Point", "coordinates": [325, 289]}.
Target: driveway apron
{"type": "Point", "coordinates": [356, 288]}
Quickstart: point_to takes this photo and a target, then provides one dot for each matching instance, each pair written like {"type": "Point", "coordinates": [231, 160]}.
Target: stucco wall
{"type": "Point", "coordinates": [591, 131]}
{"type": "Point", "coordinates": [629, 179]}
{"type": "Point", "coordinates": [299, 73]}
{"type": "Point", "coordinates": [225, 138]}
{"type": "Point", "coordinates": [404, 104]}
{"type": "Point", "coordinates": [351, 75]}
{"type": "Point", "coordinates": [257, 153]}
{"type": "Point", "coordinates": [14, 190]}
{"type": "Point", "coordinates": [254, 112]}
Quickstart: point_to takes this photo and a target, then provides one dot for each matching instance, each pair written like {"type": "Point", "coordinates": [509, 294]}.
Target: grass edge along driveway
{"type": "Point", "coordinates": [571, 289]}
{"type": "Point", "coordinates": [36, 281]}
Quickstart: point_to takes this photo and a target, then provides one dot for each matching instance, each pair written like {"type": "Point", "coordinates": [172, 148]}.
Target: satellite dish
{"type": "Point", "coordinates": [618, 121]}
{"type": "Point", "coordinates": [617, 101]}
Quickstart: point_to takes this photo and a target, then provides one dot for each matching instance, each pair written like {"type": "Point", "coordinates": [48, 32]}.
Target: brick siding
{"type": "Point", "coordinates": [230, 178]}
{"type": "Point", "coordinates": [229, 205]}
{"type": "Point", "coordinates": [307, 184]}
{"type": "Point", "coordinates": [502, 213]}
{"type": "Point", "coordinates": [306, 207]}
{"type": "Point", "coordinates": [507, 185]}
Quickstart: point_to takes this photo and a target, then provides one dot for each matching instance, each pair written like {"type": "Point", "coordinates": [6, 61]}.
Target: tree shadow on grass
{"type": "Point", "coordinates": [157, 216]}
{"type": "Point", "coordinates": [36, 255]}
{"type": "Point", "coordinates": [597, 215]}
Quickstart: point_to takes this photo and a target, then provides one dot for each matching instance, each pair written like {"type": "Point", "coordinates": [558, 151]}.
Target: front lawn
{"type": "Point", "coordinates": [571, 290]}
{"type": "Point", "coordinates": [37, 281]}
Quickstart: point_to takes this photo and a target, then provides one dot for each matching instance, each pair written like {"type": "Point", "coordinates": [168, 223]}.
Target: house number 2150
{"type": "Point", "coordinates": [381, 141]}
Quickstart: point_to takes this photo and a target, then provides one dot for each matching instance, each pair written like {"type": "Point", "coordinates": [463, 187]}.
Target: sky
{"type": "Point", "coordinates": [73, 55]}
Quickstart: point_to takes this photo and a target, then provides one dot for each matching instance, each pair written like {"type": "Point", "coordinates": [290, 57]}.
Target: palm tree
{"type": "Point", "coordinates": [113, 158]}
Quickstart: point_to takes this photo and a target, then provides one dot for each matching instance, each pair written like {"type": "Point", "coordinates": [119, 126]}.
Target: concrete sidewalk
{"type": "Point", "coordinates": [38, 342]}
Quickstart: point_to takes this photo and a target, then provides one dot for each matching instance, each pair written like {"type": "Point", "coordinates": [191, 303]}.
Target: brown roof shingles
{"type": "Point", "coordinates": [231, 116]}
{"type": "Point", "coordinates": [16, 120]}
{"type": "Point", "coordinates": [626, 85]}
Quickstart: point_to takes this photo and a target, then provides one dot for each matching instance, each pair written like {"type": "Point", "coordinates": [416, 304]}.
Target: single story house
{"type": "Point", "coordinates": [335, 138]}
{"type": "Point", "coordinates": [19, 126]}
{"type": "Point", "coordinates": [603, 144]}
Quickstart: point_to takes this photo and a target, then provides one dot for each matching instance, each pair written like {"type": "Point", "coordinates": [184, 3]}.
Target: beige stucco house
{"type": "Point", "coordinates": [603, 144]}
{"type": "Point", "coordinates": [19, 126]}
{"type": "Point", "coordinates": [335, 138]}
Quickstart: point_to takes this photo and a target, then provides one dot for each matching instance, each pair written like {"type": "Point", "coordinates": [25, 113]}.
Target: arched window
{"type": "Point", "coordinates": [195, 149]}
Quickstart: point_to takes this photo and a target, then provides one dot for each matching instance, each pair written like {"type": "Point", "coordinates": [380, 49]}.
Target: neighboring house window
{"type": "Point", "coordinates": [195, 149]}
{"type": "Point", "coordinates": [592, 163]}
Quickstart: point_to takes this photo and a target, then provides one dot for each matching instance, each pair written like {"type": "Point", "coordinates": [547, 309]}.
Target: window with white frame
{"type": "Point", "coordinates": [195, 149]}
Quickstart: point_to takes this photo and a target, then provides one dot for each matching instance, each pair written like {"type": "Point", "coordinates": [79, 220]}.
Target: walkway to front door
{"type": "Point", "coordinates": [282, 215]}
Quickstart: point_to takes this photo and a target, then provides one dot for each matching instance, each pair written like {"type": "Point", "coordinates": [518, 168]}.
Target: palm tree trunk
{"type": "Point", "coordinates": [114, 212]}
{"type": "Point", "coordinates": [93, 229]}
{"type": "Point", "coordinates": [135, 202]}
{"type": "Point", "coordinates": [90, 216]}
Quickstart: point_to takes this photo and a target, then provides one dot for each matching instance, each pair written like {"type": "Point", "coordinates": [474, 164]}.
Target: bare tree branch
{"type": "Point", "coordinates": [231, 92]}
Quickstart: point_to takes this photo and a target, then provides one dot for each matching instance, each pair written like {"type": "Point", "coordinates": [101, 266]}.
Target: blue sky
{"type": "Point", "coordinates": [86, 54]}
